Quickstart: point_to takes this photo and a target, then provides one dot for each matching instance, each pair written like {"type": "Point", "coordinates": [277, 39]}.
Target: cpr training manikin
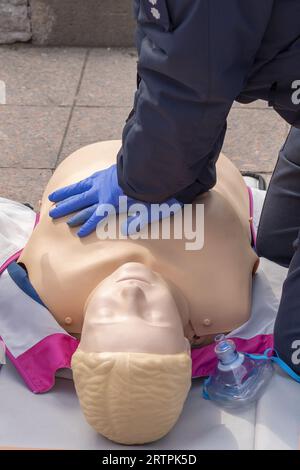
{"type": "Point", "coordinates": [134, 318]}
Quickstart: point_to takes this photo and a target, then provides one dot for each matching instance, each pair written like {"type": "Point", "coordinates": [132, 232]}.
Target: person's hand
{"type": "Point", "coordinates": [97, 197]}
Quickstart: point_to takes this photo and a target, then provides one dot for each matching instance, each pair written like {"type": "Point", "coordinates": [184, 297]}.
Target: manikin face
{"type": "Point", "coordinates": [133, 310]}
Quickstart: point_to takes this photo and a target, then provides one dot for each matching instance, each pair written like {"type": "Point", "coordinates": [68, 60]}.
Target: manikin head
{"type": "Point", "coordinates": [132, 370]}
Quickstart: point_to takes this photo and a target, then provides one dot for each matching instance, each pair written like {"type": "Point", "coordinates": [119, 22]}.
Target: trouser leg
{"type": "Point", "coordinates": [278, 240]}
{"type": "Point", "coordinates": [287, 325]}
{"type": "Point", "coordinates": [280, 218]}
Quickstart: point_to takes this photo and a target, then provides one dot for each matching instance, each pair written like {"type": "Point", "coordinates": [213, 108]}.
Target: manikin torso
{"type": "Point", "coordinates": [215, 282]}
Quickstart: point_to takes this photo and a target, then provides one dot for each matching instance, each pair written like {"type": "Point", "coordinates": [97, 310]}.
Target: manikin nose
{"type": "Point", "coordinates": [133, 297]}
{"type": "Point", "coordinates": [131, 290]}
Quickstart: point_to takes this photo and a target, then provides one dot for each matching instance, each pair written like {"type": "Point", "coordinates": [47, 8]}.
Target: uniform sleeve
{"type": "Point", "coordinates": [193, 60]}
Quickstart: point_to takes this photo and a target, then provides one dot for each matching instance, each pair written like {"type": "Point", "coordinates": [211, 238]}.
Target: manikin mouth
{"type": "Point", "coordinates": [130, 278]}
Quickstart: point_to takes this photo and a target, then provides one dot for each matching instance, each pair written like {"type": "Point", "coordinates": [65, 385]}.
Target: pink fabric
{"type": "Point", "coordinates": [38, 365]}
{"type": "Point", "coordinates": [251, 207]}
{"type": "Point", "coordinates": [204, 360]}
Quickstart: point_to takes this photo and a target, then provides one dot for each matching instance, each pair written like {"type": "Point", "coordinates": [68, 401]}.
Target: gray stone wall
{"type": "Point", "coordinates": [67, 22]}
{"type": "Point", "coordinates": [82, 22]}
{"type": "Point", "coordinates": [14, 21]}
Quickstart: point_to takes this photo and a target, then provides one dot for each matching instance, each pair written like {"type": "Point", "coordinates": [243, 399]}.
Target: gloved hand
{"type": "Point", "coordinates": [93, 195]}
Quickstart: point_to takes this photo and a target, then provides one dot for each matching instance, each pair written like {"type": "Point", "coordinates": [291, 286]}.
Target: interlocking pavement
{"type": "Point", "coordinates": [60, 99]}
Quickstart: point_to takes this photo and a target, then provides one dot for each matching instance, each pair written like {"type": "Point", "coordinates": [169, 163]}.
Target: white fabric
{"type": "Point", "coordinates": [2, 353]}
{"type": "Point", "coordinates": [16, 224]}
{"type": "Point", "coordinates": [258, 200]}
{"type": "Point", "coordinates": [251, 181]}
{"type": "Point", "coordinates": [23, 321]}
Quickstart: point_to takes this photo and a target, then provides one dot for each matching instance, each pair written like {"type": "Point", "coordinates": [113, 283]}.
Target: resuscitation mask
{"type": "Point", "coordinates": [240, 379]}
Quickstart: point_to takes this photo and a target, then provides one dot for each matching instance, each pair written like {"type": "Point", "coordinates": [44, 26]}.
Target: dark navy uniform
{"type": "Point", "coordinates": [278, 239]}
{"type": "Point", "coordinates": [195, 57]}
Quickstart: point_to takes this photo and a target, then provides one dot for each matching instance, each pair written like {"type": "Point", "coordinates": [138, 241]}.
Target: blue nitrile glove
{"type": "Point", "coordinates": [93, 194]}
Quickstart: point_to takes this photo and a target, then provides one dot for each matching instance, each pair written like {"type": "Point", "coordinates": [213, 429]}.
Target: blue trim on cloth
{"type": "Point", "coordinates": [20, 277]}
{"type": "Point", "coordinates": [277, 360]}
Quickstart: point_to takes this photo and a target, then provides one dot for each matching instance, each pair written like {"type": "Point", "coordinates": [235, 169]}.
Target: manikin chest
{"type": "Point", "coordinates": [215, 280]}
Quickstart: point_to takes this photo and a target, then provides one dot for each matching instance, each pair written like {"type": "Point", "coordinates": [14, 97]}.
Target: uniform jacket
{"type": "Point", "coordinates": [195, 57]}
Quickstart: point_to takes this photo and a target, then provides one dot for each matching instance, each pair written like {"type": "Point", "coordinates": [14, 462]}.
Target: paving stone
{"type": "Point", "coordinates": [24, 185]}
{"type": "Point", "coordinates": [90, 125]}
{"type": "Point", "coordinates": [47, 78]}
{"type": "Point", "coordinates": [255, 104]}
{"type": "Point", "coordinates": [109, 78]}
{"type": "Point", "coordinates": [40, 76]}
{"type": "Point", "coordinates": [30, 137]}
{"type": "Point", "coordinates": [254, 138]}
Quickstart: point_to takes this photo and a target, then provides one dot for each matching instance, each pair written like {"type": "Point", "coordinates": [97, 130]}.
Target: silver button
{"type": "Point", "coordinates": [155, 13]}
